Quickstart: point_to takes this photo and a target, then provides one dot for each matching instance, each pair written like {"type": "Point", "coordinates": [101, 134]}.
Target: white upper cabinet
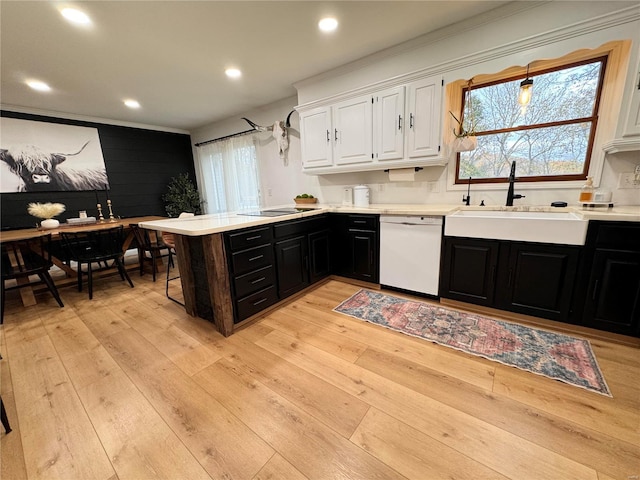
{"type": "Point", "coordinates": [316, 138]}
{"type": "Point", "coordinates": [353, 131]}
{"type": "Point", "coordinates": [388, 117]}
{"type": "Point", "coordinates": [395, 127]}
{"type": "Point", "coordinates": [632, 126]}
{"type": "Point", "coordinates": [423, 114]}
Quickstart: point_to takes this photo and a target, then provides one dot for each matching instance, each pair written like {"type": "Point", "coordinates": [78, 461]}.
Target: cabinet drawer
{"type": "Point", "coordinates": [619, 236]}
{"type": "Point", "coordinates": [363, 222]}
{"type": "Point", "coordinates": [249, 238]}
{"type": "Point", "coordinates": [258, 301]}
{"type": "Point", "coordinates": [296, 227]}
{"type": "Point", "coordinates": [254, 281]}
{"type": "Point", "coordinates": [252, 258]}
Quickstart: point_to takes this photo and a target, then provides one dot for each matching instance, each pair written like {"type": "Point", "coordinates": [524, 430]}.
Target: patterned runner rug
{"type": "Point", "coordinates": [561, 357]}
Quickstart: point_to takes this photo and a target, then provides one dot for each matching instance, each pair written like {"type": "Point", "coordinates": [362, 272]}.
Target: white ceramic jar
{"type": "Point", "coordinates": [361, 196]}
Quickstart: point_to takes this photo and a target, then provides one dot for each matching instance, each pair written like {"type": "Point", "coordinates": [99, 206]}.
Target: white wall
{"type": "Point", "coordinates": [514, 24]}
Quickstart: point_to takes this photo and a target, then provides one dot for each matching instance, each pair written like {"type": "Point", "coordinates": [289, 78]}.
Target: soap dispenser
{"type": "Point", "coordinates": [586, 192]}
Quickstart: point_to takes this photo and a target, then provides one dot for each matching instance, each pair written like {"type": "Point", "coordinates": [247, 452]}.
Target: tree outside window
{"type": "Point", "coordinates": [550, 139]}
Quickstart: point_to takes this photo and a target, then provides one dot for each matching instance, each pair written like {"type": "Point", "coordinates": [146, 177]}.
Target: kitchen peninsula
{"type": "Point", "coordinates": [224, 258]}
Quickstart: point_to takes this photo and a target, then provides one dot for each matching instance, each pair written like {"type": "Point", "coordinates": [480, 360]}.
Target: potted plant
{"type": "Point", "coordinates": [182, 196]}
{"type": "Point", "coordinates": [46, 212]}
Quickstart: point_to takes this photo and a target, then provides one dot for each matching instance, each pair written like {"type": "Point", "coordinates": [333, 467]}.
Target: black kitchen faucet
{"type": "Point", "coordinates": [512, 179]}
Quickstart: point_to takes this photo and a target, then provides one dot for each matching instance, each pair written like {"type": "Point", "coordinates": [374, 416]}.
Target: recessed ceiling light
{"type": "Point", "coordinates": [75, 16]}
{"type": "Point", "coordinates": [328, 24]}
{"type": "Point", "coordinates": [38, 85]}
{"type": "Point", "coordinates": [132, 103]}
{"type": "Point", "coordinates": [233, 72]}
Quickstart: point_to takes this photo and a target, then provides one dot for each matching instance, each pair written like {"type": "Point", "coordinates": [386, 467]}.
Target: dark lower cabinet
{"type": "Point", "coordinates": [469, 270]}
{"type": "Point", "coordinates": [270, 263]}
{"type": "Point", "coordinates": [529, 278]}
{"type": "Point", "coordinates": [319, 255]}
{"type": "Point", "coordinates": [538, 279]}
{"type": "Point", "coordinates": [292, 265]}
{"type": "Point", "coordinates": [356, 246]}
{"type": "Point", "coordinates": [611, 295]}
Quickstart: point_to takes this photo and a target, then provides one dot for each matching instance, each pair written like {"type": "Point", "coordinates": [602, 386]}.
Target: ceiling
{"type": "Point", "coordinates": [171, 55]}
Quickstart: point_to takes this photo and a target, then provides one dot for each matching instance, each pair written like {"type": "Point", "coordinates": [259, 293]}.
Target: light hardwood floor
{"type": "Point", "coordinates": [127, 386]}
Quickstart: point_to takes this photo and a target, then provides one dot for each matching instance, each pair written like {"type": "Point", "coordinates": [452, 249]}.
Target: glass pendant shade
{"type": "Point", "coordinates": [526, 89]}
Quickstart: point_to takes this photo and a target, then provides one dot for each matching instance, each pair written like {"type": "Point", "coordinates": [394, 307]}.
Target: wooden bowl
{"type": "Point", "coordinates": [305, 200]}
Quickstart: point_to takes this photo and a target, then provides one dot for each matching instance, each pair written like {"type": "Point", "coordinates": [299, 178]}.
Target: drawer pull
{"type": "Point", "coordinates": [258, 280]}
{"type": "Point", "coordinates": [260, 301]}
{"type": "Point", "coordinates": [253, 238]}
{"type": "Point", "coordinates": [256, 258]}
{"type": "Point", "coordinates": [359, 221]}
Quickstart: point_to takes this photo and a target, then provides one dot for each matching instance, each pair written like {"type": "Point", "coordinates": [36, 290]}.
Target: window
{"type": "Point", "coordinates": [550, 139]}
{"type": "Point", "coordinates": [229, 174]}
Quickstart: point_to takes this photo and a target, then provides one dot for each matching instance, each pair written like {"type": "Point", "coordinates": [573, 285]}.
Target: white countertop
{"type": "Point", "coordinates": [223, 222]}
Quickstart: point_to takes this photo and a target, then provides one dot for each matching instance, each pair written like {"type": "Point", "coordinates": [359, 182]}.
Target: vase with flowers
{"type": "Point", "coordinates": [46, 212]}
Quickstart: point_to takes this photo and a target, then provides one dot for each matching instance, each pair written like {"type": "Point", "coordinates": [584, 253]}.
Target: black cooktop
{"type": "Point", "coordinates": [275, 212]}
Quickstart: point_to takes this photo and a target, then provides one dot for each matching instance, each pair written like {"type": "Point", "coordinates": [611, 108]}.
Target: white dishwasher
{"type": "Point", "coordinates": [410, 252]}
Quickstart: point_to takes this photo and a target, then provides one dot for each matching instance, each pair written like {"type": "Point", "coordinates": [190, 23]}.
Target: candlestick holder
{"type": "Point", "coordinates": [112, 219]}
{"type": "Point", "coordinates": [100, 216]}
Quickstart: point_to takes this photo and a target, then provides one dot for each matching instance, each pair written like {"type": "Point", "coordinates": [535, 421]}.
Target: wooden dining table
{"type": "Point", "coordinates": [27, 294]}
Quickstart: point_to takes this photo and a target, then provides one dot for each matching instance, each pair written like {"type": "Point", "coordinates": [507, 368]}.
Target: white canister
{"type": "Point", "coordinates": [347, 196]}
{"type": "Point", "coordinates": [361, 196]}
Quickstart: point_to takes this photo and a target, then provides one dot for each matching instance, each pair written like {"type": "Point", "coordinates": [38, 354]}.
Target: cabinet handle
{"type": "Point", "coordinates": [509, 279]}
{"type": "Point", "coordinates": [258, 280]}
{"type": "Point", "coordinates": [595, 290]}
{"type": "Point", "coordinates": [259, 301]}
{"type": "Point", "coordinates": [253, 238]}
{"type": "Point", "coordinates": [411, 120]}
{"type": "Point", "coordinates": [328, 137]}
{"type": "Point", "coordinates": [256, 258]}
{"type": "Point", "coordinates": [493, 274]}
{"type": "Point", "coordinates": [399, 122]}
{"type": "Point", "coordinates": [359, 221]}
{"type": "Point", "coordinates": [336, 134]}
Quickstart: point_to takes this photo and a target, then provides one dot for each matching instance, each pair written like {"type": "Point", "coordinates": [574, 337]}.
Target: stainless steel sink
{"type": "Point", "coordinates": [564, 227]}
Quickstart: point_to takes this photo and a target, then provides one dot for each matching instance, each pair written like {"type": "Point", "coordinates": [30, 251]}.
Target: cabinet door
{"type": "Point", "coordinates": [319, 257]}
{"type": "Point", "coordinates": [291, 265]}
{"type": "Point", "coordinates": [315, 138]}
{"type": "Point", "coordinates": [353, 131]}
{"type": "Point", "coordinates": [388, 111]}
{"type": "Point", "coordinates": [613, 297]}
{"type": "Point", "coordinates": [469, 270]}
{"type": "Point", "coordinates": [424, 117]}
{"type": "Point", "coordinates": [363, 255]}
{"type": "Point", "coordinates": [538, 280]}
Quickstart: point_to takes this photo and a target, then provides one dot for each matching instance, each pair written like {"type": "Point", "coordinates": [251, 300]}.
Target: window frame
{"type": "Point", "coordinates": [593, 119]}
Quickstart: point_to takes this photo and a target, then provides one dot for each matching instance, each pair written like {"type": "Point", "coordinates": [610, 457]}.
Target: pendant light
{"type": "Point", "coordinates": [526, 89]}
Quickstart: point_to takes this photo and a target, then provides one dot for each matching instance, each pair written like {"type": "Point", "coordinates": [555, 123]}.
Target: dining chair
{"type": "Point", "coordinates": [149, 242]}
{"type": "Point", "coordinates": [96, 246]}
{"type": "Point", "coordinates": [23, 259]}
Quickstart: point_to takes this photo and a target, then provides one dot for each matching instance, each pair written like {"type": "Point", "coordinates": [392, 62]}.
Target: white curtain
{"type": "Point", "coordinates": [229, 175]}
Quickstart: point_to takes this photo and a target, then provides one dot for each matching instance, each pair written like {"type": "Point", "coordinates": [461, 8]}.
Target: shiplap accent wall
{"type": "Point", "coordinates": [140, 164]}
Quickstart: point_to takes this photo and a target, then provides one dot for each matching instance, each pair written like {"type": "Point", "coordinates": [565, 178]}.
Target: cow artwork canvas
{"type": "Point", "coordinates": [49, 157]}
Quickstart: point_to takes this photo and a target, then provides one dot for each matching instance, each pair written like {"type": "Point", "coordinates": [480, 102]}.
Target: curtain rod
{"type": "Point", "coordinates": [207, 142]}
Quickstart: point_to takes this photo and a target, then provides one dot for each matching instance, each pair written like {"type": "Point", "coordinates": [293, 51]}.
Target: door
{"type": "Point", "coordinates": [353, 131]}
{"type": "Point", "coordinates": [315, 138]}
{"type": "Point", "coordinates": [613, 297]}
{"type": "Point", "coordinates": [424, 117]}
{"type": "Point", "coordinates": [291, 265]}
{"type": "Point", "coordinates": [389, 124]}
{"type": "Point", "coordinates": [319, 257]}
{"type": "Point", "coordinates": [364, 255]}
{"type": "Point", "coordinates": [469, 270]}
{"type": "Point", "coordinates": [538, 280]}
